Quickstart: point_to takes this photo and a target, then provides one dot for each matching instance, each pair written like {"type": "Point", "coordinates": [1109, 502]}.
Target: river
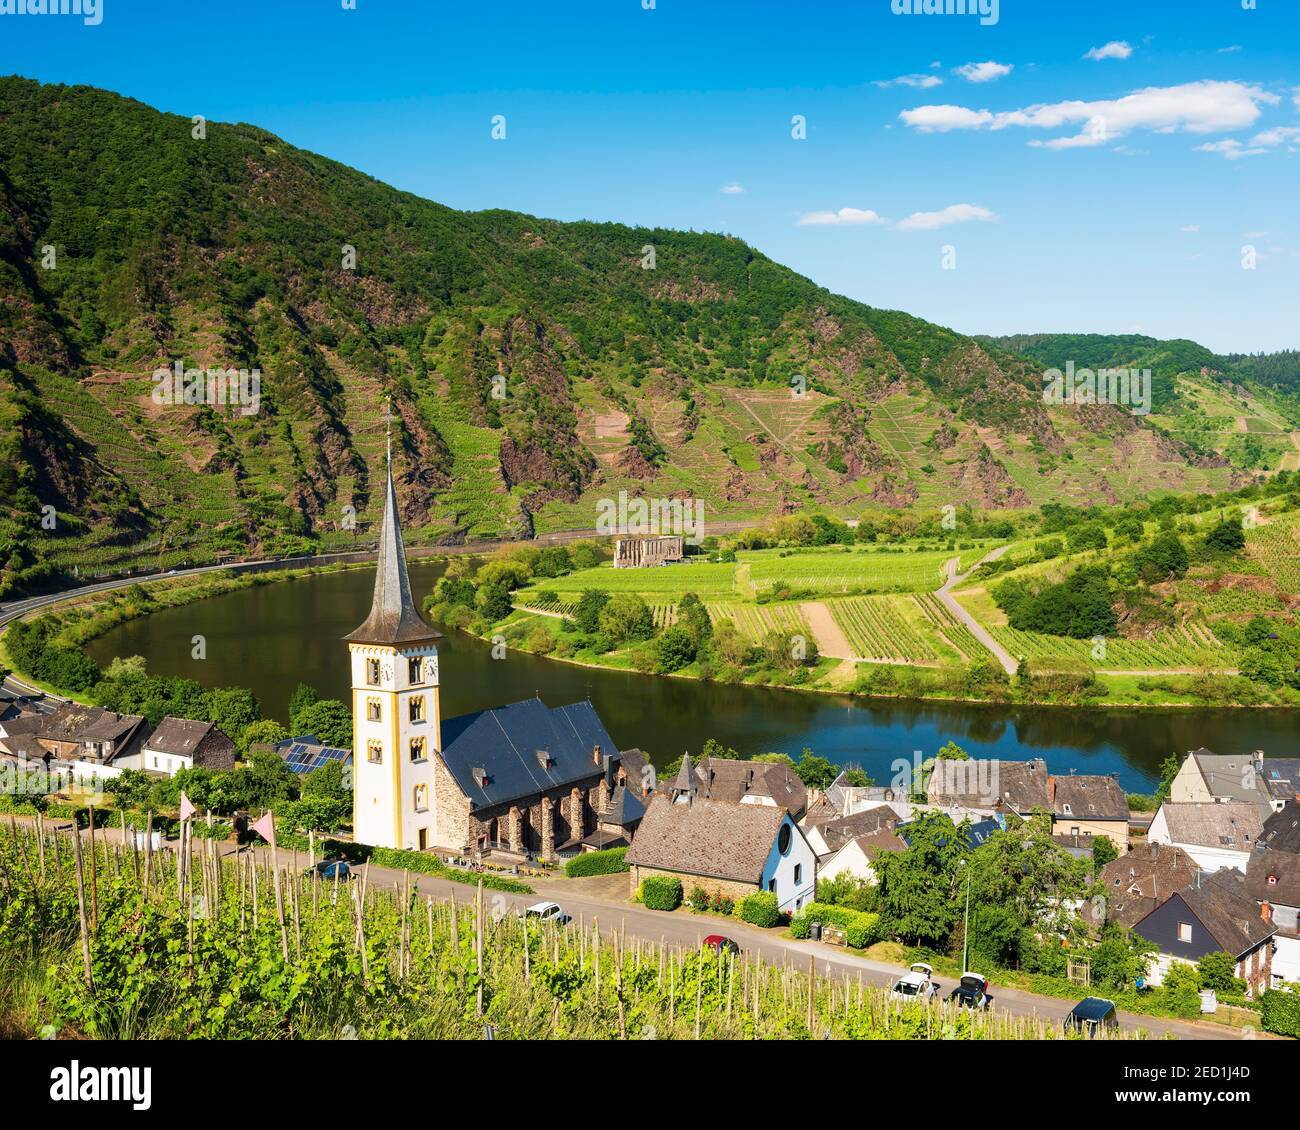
{"type": "Point", "coordinates": [274, 636]}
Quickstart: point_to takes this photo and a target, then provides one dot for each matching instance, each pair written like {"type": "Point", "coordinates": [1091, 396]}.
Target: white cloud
{"type": "Point", "coordinates": [940, 119]}
{"type": "Point", "coordinates": [1231, 148]}
{"type": "Point", "coordinates": [983, 72]}
{"type": "Point", "coordinates": [922, 81]}
{"type": "Point", "coordinates": [1115, 49]}
{"type": "Point", "coordinates": [1195, 107]}
{"type": "Point", "coordinates": [1263, 142]}
{"type": "Point", "coordinates": [732, 189]}
{"type": "Point", "coordinates": [1190, 227]}
{"type": "Point", "coordinates": [953, 214]}
{"type": "Point", "coordinates": [845, 216]}
{"type": "Point", "coordinates": [1230, 50]}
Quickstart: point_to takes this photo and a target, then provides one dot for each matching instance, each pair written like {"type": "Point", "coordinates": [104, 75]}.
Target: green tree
{"type": "Point", "coordinates": [626, 618]}
{"type": "Point", "coordinates": [330, 720]}
{"type": "Point", "coordinates": [590, 605]}
{"type": "Point", "coordinates": [815, 772]}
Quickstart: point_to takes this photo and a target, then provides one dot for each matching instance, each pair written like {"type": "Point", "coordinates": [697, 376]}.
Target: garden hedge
{"type": "Point", "coordinates": [860, 928]}
{"type": "Point", "coordinates": [607, 862]}
{"type": "Point", "coordinates": [661, 892]}
{"type": "Point", "coordinates": [1281, 1012]}
{"type": "Point", "coordinates": [759, 909]}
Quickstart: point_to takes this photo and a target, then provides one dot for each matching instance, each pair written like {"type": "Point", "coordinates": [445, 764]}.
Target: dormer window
{"type": "Point", "coordinates": [1065, 808]}
{"type": "Point", "coordinates": [481, 778]}
{"type": "Point", "coordinates": [545, 760]}
{"type": "Point", "coordinates": [1272, 880]}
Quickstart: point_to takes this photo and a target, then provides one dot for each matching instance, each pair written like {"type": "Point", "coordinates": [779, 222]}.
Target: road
{"type": "Point", "coordinates": [950, 602]}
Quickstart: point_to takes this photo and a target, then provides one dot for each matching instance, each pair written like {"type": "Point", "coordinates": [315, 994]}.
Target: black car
{"type": "Point", "coordinates": [331, 869]}
{"type": "Point", "coordinates": [972, 992]}
{"type": "Point", "coordinates": [1092, 1016]}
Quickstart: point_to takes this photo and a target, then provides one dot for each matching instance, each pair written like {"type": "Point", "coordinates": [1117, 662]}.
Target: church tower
{"type": "Point", "coordinates": [396, 719]}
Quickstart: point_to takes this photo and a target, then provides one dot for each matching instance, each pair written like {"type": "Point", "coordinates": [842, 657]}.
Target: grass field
{"type": "Point", "coordinates": [857, 570]}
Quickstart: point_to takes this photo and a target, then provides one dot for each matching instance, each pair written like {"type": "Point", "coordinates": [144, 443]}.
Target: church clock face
{"type": "Point", "coordinates": [387, 673]}
{"type": "Point", "coordinates": [430, 668]}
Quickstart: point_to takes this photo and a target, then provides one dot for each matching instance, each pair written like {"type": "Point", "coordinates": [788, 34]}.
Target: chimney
{"type": "Point", "coordinates": [595, 753]}
{"type": "Point", "coordinates": [1266, 912]}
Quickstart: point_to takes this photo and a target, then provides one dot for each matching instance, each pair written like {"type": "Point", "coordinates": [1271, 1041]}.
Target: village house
{"type": "Point", "coordinates": [1273, 881]}
{"type": "Point", "coordinates": [1206, 777]}
{"type": "Point", "coordinates": [1215, 834]}
{"type": "Point", "coordinates": [1282, 830]}
{"type": "Point", "coordinates": [1140, 881]}
{"type": "Point", "coordinates": [857, 857]}
{"type": "Point", "coordinates": [90, 734]}
{"type": "Point", "coordinates": [848, 799]}
{"type": "Point", "coordinates": [180, 743]}
{"type": "Point", "coordinates": [1089, 806]}
{"type": "Point", "coordinates": [1019, 787]}
{"type": "Point", "coordinates": [1212, 914]}
{"type": "Point", "coordinates": [830, 836]}
{"type": "Point", "coordinates": [732, 850]}
{"type": "Point", "coordinates": [748, 782]}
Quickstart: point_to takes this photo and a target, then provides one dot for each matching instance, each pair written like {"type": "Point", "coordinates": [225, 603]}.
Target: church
{"type": "Point", "coordinates": [517, 780]}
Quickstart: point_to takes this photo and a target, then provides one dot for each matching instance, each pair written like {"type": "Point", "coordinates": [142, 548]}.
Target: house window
{"type": "Point", "coordinates": [783, 839]}
{"type": "Point", "coordinates": [415, 670]}
{"type": "Point", "coordinates": [417, 708]}
{"type": "Point", "coordinates": [422, 799]}
{"type": "Point", "coordinates": [374, 710]}
{"type": "Point", "coordinates": [375, 752]}
{"type": "Point", "coordinates": [372, 672]}
{"type": "Point", "coordinates": [771, 885]}
{"type": "Point", "coordinates": [417, 749]}
{"type": "Point", "coordinates": [1184, 931]}
{"type": "Point", "coordinates": [798, 872]}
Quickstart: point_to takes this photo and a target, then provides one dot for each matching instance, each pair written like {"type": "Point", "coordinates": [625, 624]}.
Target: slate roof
{"type": "Point", "coordinates": [1232, 825]}
{"type": "Point", "coordinates": [1231, 775]}
{"type": "Point", "coordinates": [1227, 911]}
{"type": "Point", "coordinates": [976, 833]}
{"type": "Point", "coordinates": [1282, 829]}
{"type": "Point", "coordinates": [1088, 798]}
{"type": "Point", "coordinates": [180, 737]}
{"type": "Point", "coordinates": [1281, 777]}
{"type": "Point", "coordinates": [732, 781]}
{"type": "Point", "coordinates": [1283, 868]}
{"type": "Point", "coordinates": [1140, 881]}
{"type": "Point", "coordinates": [840, 831]}
{"type": "Point", "coordinates": [393, 617]}
{"type": "Point", "coordinates": [72, 722]}
{"type": "Point", "coordinates": [506, 740]}
{"type": "Point", "coordinates": [884, 839]}
{"type": "Point", "coordinates": [624, 808]}
{"type": "Point", "coordinates": [1019, 786]}
{"type": "Point", "coordinates": [709, 838]}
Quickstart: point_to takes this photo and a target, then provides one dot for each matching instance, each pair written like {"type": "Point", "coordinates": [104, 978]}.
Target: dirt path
{"type": "Point", "coordinates": [950, 602]}
{"type": "Point", "coordinates": [831, 641]}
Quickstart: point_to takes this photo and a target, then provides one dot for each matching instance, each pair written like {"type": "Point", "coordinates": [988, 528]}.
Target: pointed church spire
{"type": "Point", "coordinates": [393, 616]}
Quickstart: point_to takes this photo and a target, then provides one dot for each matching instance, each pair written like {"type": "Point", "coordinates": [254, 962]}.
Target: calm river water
{"type": "Point", "coordinates": [273, 637]}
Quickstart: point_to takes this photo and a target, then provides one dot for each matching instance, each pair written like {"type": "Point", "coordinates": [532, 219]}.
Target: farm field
{"type": "Point", "coordinates": [1187, 646]}
{"type": "Point", "coordinates": [1276, 546]}
{"type": "Point", "coordinates": [858, 570]}
{"type": "Point", "coordinates": [756, 620]}
{"type": "Point", "coordinates": [885, 627]}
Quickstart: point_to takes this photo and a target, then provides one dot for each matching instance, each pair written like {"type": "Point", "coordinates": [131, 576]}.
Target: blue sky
{"type": "Point", "coordinates": [1112, 193]}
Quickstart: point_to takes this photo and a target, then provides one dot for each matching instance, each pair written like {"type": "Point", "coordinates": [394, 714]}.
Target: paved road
{"type": "Point", "coordinates": [950, 602]}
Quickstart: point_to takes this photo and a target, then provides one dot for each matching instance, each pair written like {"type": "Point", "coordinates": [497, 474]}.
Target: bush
{"type": "Point", "coordinates": [861, 928]}
{"type": "Point", "coordinates": [1281, 1012]}
{"type": "Point", "coordinates": [699, 900]}
{"type": "Point", "coordinates": [661, 892]}
{"type": "Point", "coordinates": [760, 909]}
{"type": "Point", "coordinates": [721, 904]}
{"type": "Point", "coordinates": [607, 862]}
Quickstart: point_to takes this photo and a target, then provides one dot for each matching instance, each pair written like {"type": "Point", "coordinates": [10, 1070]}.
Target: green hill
{"type": "Point", "coordinates": [534, 367]}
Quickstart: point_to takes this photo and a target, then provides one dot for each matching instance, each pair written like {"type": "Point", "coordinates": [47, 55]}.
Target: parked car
{"type": "Point", "coordinates": [1091, 1017]}
{"type": "Point", "coordinates": [917, 983]}
{"type": "Point", "coordinates": [972, 992]}
{"type": "Point", "coordinates": [545, 912]}
{"type": "Point", "coordinates": [720, 944]}
{"type": "Point", "coordinates": [331, 869]}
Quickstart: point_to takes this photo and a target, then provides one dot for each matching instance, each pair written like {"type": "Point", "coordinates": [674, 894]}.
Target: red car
{"type": "Point", "coordinates": [720, 944]}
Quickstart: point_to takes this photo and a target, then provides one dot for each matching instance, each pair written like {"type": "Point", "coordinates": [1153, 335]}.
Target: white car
{"type": "Point", "coordinates": [545, 912]}
{"type": "Point", "coordinates": [917, 984]}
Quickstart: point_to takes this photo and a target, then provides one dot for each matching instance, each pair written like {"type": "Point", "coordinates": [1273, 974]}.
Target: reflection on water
{"type": "Point", "coordinates": [272, 637]}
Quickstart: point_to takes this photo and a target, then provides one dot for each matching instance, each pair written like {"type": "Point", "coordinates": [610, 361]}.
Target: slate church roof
{"type": "Point", "coordinates": [500, 755]}
{"type": "Point", "coordinates": [393, 617]}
